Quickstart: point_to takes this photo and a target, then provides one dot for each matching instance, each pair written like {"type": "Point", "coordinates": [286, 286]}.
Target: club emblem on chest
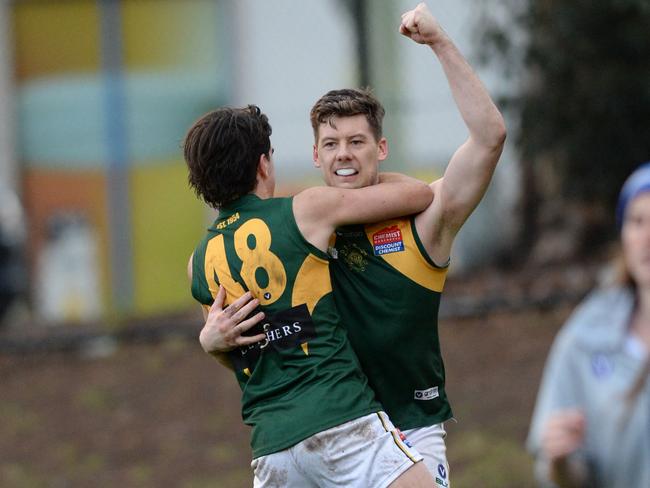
{"type": "Point", "coordinates": [354, 257]}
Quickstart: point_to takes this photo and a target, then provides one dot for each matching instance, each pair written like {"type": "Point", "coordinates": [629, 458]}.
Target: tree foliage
{"type": "Point", "coordinates": [580, 72]}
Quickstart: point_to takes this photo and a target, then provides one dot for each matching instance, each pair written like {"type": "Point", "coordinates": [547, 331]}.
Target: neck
{"type": "Point", "coordinates": [263, 190]}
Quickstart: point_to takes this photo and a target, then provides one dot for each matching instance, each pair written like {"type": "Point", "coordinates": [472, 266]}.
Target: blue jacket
{"type": "Point", "coordinates": [592, 365]}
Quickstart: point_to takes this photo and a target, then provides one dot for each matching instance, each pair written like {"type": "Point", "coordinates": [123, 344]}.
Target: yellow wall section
{"type": "Point", "coordinates": [56, 38]}
{"type": "Point", "coordinates": [164, 34]}
{"type": "Point", "coordinates": [167, 221]}
{"type": "Point", "coordinates": [418, 269]}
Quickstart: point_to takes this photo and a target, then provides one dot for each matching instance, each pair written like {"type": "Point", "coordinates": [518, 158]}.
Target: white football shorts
{"type": "Point", "coordinates": [430, 443]}
{"type": "Point", "coordinates": [367, 452]}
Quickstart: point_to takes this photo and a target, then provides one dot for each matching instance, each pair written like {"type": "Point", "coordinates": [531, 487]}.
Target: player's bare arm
{"type": "Point", "coordinates": [470, 169]}
{"type": "Point", "coordinates": [320, 210]}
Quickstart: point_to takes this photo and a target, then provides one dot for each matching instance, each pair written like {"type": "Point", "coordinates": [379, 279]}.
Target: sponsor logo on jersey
{"type": "Point", "coordinates": [288, 329]}
{"type": "Point", "coordinates": [387, 240]}
{"type": "Point", "coordinates": [428, 394]}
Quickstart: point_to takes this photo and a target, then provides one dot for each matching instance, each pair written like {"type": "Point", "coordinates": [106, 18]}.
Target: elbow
{"type": "Point", "coordinates": [493, 140]}
{"type": "Point", "coordinates": [492, 137]}
{"type": "Point", "coordinates": [498, 134]}
{"type": "Point", "coordinates": [502, 133]}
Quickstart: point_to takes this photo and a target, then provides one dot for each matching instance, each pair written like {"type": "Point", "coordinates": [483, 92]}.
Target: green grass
{"type": "Point", "coordinates": [16, 475]}
{"type": "Point", "coordinates": [17, 420]}
{"type": "Point", "coordinates": [489, 460]}
{"type": "Point", "coordinates": [96, 399]}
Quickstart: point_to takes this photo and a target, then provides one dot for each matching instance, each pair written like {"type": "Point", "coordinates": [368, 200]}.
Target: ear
{"type": "Point", "coordinates": [264, 167]}
{"type": "Point", "coordinates": [382, 152]}
{"type": "Point", "coordinates": [315, 155]}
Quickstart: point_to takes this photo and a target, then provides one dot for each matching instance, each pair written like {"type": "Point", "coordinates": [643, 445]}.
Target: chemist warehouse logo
{"type": "Point", "coordinates": [290, 329]}
{"type": "Point", "coordinates": [387, 240]}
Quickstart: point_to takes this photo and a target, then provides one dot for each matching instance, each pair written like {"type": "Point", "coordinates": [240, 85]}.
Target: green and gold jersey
{"type": "Point", "coordinates": [303, 377]}
{"type": "Point", "coordinates": [387, 291]}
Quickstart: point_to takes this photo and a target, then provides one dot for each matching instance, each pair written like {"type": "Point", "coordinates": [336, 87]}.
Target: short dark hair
{"type": "Point", "coordinates": [347, 103]}
{"type": "Point", "coordinates": [222, 151]}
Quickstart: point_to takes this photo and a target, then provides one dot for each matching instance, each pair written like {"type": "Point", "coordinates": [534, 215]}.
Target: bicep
{"type": "Point", "coordinates": [466, 180]}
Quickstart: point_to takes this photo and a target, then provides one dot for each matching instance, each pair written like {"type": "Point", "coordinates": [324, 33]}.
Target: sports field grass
{"type": "Point", "coordinates": [166, 415]}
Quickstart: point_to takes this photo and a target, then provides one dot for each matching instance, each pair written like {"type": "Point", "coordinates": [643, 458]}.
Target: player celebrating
{"type": "Point", "coordinates": [388, 277]}
{"type": "Point", "coordinates": [315, 421]}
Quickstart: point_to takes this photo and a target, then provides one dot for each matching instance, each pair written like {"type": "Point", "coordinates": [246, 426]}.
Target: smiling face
{"type": "Point", "coordinates": [348, 153]}
{"type": "Point", "coordinates": [635, 236]}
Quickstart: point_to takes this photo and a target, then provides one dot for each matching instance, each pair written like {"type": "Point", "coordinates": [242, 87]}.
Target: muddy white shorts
{"type": "Point", "coordinates": [367, 452]}
{"type": "Point", "coordinates": [430, 443]}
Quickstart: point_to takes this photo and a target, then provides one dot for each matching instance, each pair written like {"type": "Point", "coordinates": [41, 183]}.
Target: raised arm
{"type": "Point", "coordinates": [470, 169]}
{"type": "Point", "coordinates": [319, 210]}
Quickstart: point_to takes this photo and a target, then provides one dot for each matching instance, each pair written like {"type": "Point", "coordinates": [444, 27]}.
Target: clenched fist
{"type": "Point", "coordinates": [421, 26]}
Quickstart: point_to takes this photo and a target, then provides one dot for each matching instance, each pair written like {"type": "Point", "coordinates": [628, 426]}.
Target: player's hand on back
{"type": "Point", "coordinates": [421, 26]}
{"type": "Point", "coordinates": [224, 327]}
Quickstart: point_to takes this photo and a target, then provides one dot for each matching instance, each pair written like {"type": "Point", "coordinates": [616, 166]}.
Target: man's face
{"type": "Point", "coordinates": [347, 153]}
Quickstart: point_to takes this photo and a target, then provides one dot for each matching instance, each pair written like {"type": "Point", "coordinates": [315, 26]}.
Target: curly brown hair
{"type": "Point", "coordinates": [222, 151]}
{"type": "Point", "coordinates": [347, 103]}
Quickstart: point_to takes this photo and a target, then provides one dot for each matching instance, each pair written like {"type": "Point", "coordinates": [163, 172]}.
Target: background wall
{"type": "Point", "coordinates": [104, 92]}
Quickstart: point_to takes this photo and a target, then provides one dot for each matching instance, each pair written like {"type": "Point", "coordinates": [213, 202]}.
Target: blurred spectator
{"type": "Point", "coordinates": [12, 239]}
{"type": "Point", "coordinates": [67, 288]}
{"type": "Point", "coordinates": [591, 425]}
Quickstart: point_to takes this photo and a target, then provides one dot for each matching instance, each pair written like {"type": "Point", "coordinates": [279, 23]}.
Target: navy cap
{"type": "Point", "coordinates": [638, 182]}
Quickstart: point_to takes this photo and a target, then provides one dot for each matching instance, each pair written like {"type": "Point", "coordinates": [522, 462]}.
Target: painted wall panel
{"type": "Point", "coordinates": [62, 122]}
{"type": "Point", "coordinates": [89, 102]}
{"type": "Point", "coordinates": [56, 37]}
{"type": "Point", "coordinates": [166, 35]}
{"type": "Point", "coordinates": [167, 220]}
